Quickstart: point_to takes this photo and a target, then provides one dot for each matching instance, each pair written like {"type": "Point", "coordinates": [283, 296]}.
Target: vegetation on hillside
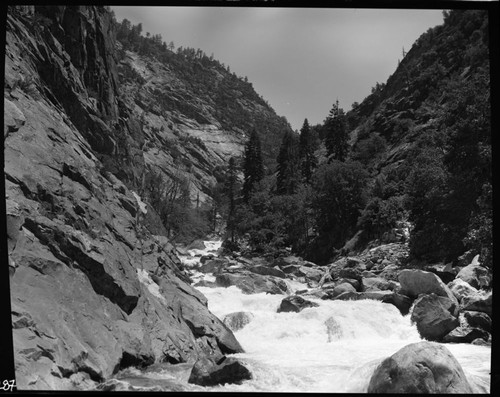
{"type": "Point", "coordinates": [422, 153]}
{"type": "Point", "coordinates": [417, 149]}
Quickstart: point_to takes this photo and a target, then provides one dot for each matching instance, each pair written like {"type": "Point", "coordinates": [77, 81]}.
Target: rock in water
{"type": "Point", "coordinates": [416, 282]}
{"type": "Point", "coordinates": [402, 302]}
{"type": "Point", "coordinates": [252, 283]}
{"type": "Point", "coordinates": [197, 244]}
{"type": "Point", "coordinates": [295, 303]}
{"type": "Point", "coordinates": [227, 370]}
{"type": "Point", "coordinates": [422, 367]}
{"type": "Point", "coordinates": [435, 316]}
{"type": "Point", "coordinates": [238, 320]}
{"type": "Point", "coordinates": [333, 329]}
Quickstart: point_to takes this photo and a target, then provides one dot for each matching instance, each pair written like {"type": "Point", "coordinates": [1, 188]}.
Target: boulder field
{"type": "Point", "coordinates": [443, 312]}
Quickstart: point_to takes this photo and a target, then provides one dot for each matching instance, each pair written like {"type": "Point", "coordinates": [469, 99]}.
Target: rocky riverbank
{"type": "Point", "coordinates": [448, 312]}
{"type": "Point", "coordinates": [447, 304]}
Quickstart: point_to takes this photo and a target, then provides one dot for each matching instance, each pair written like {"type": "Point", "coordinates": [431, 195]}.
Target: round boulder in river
{"type": "Point", "coordinates": [423, 367]}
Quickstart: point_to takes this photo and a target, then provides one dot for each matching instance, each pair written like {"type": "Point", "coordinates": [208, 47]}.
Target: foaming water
{"type": "Point", "coordinates": [318, 349]}
{"type": "Point", "coordinates": [331, 348]}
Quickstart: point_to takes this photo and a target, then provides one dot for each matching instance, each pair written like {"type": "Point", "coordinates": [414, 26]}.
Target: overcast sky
{"type": "Point", "coordinates": [299, 59]}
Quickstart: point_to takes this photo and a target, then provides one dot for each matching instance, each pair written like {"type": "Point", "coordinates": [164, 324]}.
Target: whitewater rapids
{"type": "Point", "coordinates": [331, 348]}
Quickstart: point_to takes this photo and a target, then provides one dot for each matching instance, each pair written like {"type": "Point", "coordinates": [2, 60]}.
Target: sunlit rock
{"type": "Point", "coordinates": [422, 367]}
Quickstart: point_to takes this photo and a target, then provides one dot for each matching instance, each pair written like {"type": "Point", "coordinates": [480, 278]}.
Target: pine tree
{"type": "Point", "coordinates": [308, 160]}
{"type": "Point", "coordinates": [253, 168]}
{"type": "Point", "coordinates": [288, 164]}
{"type": "Point", "coordinates": [336, 134]}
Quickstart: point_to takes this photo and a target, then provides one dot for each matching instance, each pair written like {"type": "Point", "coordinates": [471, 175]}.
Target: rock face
{"type": "Point", "coordinates": [196, 112]}
{"type": "Point", "coordinates": [435, 316]}
{"type": "Point", "coordinates": [95, 285]}
{"type": "Point", "coordinates": [422, 367]}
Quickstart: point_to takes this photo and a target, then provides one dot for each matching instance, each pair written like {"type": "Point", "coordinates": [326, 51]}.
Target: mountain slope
{"type": "Point", "coordinates": [426, 136]}
{"type": "Point", "coordinates": [191, 106]}
{"type": "Point", "coordinates": [95, 284]}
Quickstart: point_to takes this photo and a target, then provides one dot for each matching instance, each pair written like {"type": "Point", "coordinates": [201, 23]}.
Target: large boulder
{"type": "Point", "coordinates": [252, 283]}
{"type": "Point", "coordinates": [435, 316]}
{"type": "Point", "coordinates": [237, 320]}
{"type": "Point", "coordinates": [478, 303]}
{"type": "Point", "coordinates": [295, 303]}
{"type": "Point", "coordinates": [416, 282]}
{"type": "Point", "coordinates": [475, 274]}
{"type": "Point", "coordinates": [422, 367]}
{"type": "Point", "coordinates": [226, 370]}
{"type": "Point", "coordinates": [461, 289]}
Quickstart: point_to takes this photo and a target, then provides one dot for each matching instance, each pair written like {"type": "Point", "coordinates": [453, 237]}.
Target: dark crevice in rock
{"type": "Point", "coordinates": [119, 237]}
{"type": "Point", "coordinates": [129, 206]}
{"type": "Point", "coordinates": [96, 377]}
{"type": "Point", "coordinates": [24, 188]}
{"type": "Point", "coordinates": [129, 360]}
{"type": "Point", "coordinates": [198, 331]}
{"type": "Point", "coordinates": [63, 249]}
{"type": "Point", "coordinates": [75, 175]}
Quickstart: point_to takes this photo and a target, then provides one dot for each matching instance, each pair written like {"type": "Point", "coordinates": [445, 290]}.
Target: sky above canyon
{"type": "Point", "coordinates": [301, 60]}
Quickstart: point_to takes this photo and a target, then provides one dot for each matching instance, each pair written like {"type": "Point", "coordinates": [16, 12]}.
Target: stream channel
{"type": "Point", "coordinates": [331, 348]}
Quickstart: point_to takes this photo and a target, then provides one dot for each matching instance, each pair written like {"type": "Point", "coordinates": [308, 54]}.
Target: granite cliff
{"type": "Point", "coordinates": [96, 286]}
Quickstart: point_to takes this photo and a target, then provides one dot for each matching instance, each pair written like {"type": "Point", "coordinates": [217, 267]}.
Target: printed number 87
{"type": "Point", "coordinates": [8, 385]}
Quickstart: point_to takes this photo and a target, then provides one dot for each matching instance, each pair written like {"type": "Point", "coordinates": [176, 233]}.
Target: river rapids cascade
{"type": "Point", "coordinates": [334, 347]}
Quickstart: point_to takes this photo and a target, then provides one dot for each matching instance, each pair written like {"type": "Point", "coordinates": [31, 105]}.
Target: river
{"type": "Point", "coordinates": [331, 348]}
